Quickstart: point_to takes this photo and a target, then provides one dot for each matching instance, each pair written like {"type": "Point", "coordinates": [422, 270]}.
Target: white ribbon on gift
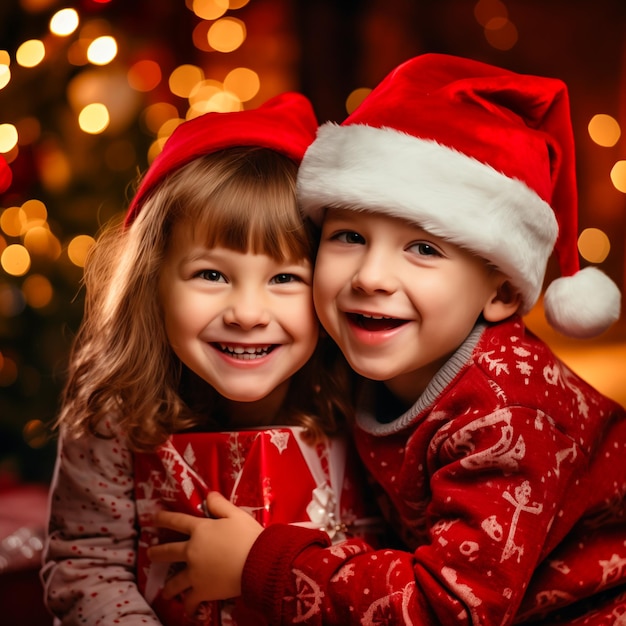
{"type": "Point", "coordinates": [324, 510]}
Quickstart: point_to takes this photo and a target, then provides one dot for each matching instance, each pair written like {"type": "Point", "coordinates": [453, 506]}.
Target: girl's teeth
{"type": "Point", "coordinates": [376, 317]}
{"type": "Point", "coordinates": [249, 352]}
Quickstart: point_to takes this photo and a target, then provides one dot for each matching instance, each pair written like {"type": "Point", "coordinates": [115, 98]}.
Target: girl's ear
{"type": "Point", "coordinates": [502, 303]}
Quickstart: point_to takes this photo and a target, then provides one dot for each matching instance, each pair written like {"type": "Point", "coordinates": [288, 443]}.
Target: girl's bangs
{"type": "Point", "coordinates": [253, 215]}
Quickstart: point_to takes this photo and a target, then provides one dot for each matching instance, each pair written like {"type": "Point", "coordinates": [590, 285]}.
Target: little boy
{"type": "Point", "coordinates": [441, 199]}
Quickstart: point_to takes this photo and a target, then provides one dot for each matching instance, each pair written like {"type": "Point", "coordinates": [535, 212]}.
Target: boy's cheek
{"type": "Point", "coordinates": [322, 293]}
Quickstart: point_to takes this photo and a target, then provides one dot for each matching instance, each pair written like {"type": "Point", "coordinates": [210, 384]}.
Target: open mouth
{"type": "Point", "coordinates": [245, 353]}
{"type": "Point", "coordinates": [375, 322]}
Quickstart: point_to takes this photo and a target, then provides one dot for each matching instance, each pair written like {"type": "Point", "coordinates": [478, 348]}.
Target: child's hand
{"type": "Point", "coordinates": [215, 552]}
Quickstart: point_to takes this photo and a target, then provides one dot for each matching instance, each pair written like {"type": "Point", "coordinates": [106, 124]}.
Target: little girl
{"type": "Point", "coordinates": [198, 366]}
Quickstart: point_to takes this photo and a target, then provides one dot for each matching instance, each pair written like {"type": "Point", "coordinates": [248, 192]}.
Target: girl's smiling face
{"type": "Point", "coordinates": [398, 300]}
{"type": "Point", "coordinates": [243, 322]}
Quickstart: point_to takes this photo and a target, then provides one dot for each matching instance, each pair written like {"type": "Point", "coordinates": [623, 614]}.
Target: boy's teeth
{"type": "Point", "coordinates": [376, 317]}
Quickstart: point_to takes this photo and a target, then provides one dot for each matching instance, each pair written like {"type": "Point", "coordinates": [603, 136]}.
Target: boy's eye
{"type": "Point", "coordinates": [211, 275]}
{"type": "Point", "coordinates": [281, 279]}
{"type": "Point", "coordinates": [424, 249]}
{"type": "Point", "coordinates": [348, 236]}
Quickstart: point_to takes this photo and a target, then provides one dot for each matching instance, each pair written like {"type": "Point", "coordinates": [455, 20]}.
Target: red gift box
{"type": "Point", "coordinates": [271, 473]}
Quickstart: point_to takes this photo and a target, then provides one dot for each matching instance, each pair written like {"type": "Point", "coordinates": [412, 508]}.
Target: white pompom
{"type": "Point", "coordinates": [583, 305]}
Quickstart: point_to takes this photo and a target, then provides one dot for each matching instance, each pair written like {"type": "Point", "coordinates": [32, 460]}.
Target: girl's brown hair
{"type": "Point", "coordinates": [122, 369]}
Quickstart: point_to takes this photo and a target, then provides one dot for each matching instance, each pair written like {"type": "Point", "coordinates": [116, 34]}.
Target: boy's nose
{"type": "Point", "coordinates": [374, 275]}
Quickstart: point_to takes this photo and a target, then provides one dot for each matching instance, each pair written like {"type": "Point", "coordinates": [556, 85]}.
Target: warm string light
{"type": "Point", "coordinates": [104, 97]}
{"type": "Point", "coordinates": [604, 130]}
{"type": "Point", "coordinates": [215, 32]}
{"type": "Point", "coordinates": [500, 33]}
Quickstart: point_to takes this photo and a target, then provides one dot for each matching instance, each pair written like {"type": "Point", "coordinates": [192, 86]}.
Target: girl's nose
{"type": "Point", "coordinates": [374, 274]}
{"type": "Point", "coordinates": [247, 310]}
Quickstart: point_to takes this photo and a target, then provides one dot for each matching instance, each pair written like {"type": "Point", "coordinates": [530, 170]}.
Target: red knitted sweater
{"type": "Point", "coordinates": [507, 483]}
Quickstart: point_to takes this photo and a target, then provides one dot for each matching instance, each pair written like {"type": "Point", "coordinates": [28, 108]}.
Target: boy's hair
{"type": "Point", "coordinates": [122, 367]}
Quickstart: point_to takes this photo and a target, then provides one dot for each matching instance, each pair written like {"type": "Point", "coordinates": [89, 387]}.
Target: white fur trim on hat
{"type": "Point", "coordinates": [452, 195]}
{"type": "Point", "coordinates": [582, 305]}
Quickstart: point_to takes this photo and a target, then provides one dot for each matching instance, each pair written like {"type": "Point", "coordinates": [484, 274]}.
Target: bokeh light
{"type": "Point", "coordinates": [618, 176]}
{"type": "Point", "coordinates": [35, 433]}
{"type": "Point", "coordinates": [64, 22]}
{"type": "Point", "coordinates": [36, 240]}
{"type": "Point", "coordinates": [209, 9]}
{"type": "Point", "coordinates": [157, 114]}
{"type": "Point", "coordinates": [13, 221]}
{"type": "Point", "coordinates": [594, 245]}
{"type": "Point", "coordinates": [102, 50]}
{"type": "Point", "coordinates": [78, 249]}
{"type": "Point", "coordinates": [201, 95]}
{"type": "Point", "coordinates": [184, 78]}
{"type": "Point", "coordinates": [200, 36]}
{"type": "Point", "coordinates": [155, 148]}
{"type": "Point", "coordinates": [38, 291]}
{"type": "Point", "coordinates": [5, 75]}
{"type": "Point", "coordinates": [223, 102]}
{"type": "Point", "coordinates": [8, 372]}
{"type": "Point", "coordinates": [144, 75]}
{"type": "Point", "coordinates": [15, 260]}
{"type": "Point", "coordinates": [604, 130]}
{"type": "Point", "coordinates": [31, 53]}
{"type": "Point", "coordinates": [40, 241]}
{"type": "Point", "coordinates": [355, 98]}
{"type": "Point", "coordinates": [8, 137]}
{"type": "Point", "coordinates": [243, 82]}
{"type": "Point", "coordinates": [54, 169]}
{"type": "Point", "coordinates": [227, 34]}
{"type": "Point", "coordinates": [501, 33]}
{"type": "Point", "coordinates": [94, 118]}
{"type": "Point", "coordinates": [35, 212]}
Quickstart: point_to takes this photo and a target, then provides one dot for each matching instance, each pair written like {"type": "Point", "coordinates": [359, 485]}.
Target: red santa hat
{"type": "Point", "coordinates": [480, 156]}
{"type": "Point", "coordinates": [5, 175]}
{"type": "Point", "coordinates": [285, 123]}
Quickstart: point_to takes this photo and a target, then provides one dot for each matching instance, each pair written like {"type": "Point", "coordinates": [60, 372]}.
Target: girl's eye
{"type": "Point", "coordinates": [349, 237]}
{"type": "Point", "coordinates": [281, 279]}
{"type": "Point", "coordinates": [424, 249]}
{"type": "Point", "coordinates": [211, 275]}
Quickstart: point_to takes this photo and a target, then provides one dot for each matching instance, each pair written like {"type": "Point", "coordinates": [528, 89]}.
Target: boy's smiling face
{"type": "Point", "coordinates": [398, 300]}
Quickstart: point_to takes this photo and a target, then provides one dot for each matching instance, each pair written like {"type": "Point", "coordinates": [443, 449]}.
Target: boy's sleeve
{"type": "Point", "coordinates": [89, 558]}
{"type": "Point", "coordinates": [293, 575]}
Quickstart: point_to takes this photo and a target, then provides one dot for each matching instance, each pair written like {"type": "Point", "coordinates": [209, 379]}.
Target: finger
{"type": "Point", "coordinates": [180, 522]}
{"type": "Point", "coordinates": [168, 552]}
{"type": "Point", "coordinates": [176, 584]}
{"type": "Point", "coordinates": [191, 602]}
{"type": "Point", "coordinates": [218, 505]}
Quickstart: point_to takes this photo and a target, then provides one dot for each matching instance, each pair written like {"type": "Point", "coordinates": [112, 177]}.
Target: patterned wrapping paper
{"type": "Point", "coordinates": [271, 473]}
